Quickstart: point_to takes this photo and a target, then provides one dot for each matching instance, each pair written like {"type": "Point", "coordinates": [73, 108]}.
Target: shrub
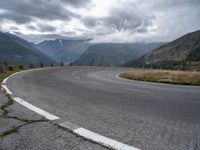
{"type": "Point", "coordinates": [31, 66]}
{"type": "Point", "coordinates": [10, 68]}
{"type": "Point", "coordinates": [21, 67]}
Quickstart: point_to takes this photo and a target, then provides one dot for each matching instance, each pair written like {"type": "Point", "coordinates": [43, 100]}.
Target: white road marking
{"type": "Point", "coordinates": [4, 81]}
{"type": "Point", "coordinates": [117, 76]}
{"type": "Point", "coordinates": [103, 140]}
{"type": "Point", "coordinates": [35, 109]}
{"type": "Point", "coordinates": [6, 89]}
{"type": "Point", "coordinates": [68, 125]}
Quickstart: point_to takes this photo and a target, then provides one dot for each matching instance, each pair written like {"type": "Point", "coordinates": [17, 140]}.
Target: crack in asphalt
{"type": "Point", "coordinates": [25, 121]}
{"type": "Point", "coordinates": [15, 130]}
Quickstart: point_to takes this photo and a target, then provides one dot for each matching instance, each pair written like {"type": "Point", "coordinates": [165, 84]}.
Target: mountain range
{"type": "Point", "coordinates": [182, 51]}
{"type": "Point", "coordinates": [114, 54]}
{"type": "Point", "coordinates": [14, 49]}
{"type": "Point", "coordinates": [64, 50]}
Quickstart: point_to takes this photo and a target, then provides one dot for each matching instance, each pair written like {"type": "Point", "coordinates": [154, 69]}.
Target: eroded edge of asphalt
{"type": "Point", "coordinates": [76, 130]}
{"type": "Point", "coordinates": [25, 121]}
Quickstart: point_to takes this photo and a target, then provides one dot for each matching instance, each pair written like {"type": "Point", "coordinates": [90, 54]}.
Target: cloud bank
{"type": "Point", "coordinates": [103, 21]}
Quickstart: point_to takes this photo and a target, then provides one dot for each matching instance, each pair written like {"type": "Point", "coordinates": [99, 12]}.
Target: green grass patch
{"type": "Point", "coordinates": [5, 105]}
{"type": "Point", "coordinates": [164, 76]}
{"type": "Point", "coordinates": [7, 72]}
{"type": "Point", "coordinates": [8, 132]}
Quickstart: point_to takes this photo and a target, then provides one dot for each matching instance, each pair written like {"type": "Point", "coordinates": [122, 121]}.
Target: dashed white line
{"type": "Point", "coordinates": [103, 140]}
{"type": "Point", "coordinates": [35, 109]}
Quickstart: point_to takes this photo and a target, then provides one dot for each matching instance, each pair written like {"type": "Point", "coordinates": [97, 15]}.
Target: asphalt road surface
{"type": "Point", "coordinates": [142, 114]}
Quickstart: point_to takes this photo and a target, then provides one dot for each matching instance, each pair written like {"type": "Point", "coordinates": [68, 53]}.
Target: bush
{"type": "Point", "coordinates": [10, 68]}
{"type": "Point", "coordinates": [31, 66]}
{"type": "Point", "coordinates": [21, 67]}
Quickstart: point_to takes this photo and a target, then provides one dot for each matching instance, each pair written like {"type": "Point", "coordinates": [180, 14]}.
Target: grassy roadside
{"type": "Point", "coordinates": [7, 72]}
{"type": "Point", "coordinates": [164, 76]}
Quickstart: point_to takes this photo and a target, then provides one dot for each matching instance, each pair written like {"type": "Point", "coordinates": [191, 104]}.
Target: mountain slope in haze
{"type": "Point", "coordinates": [183, 49]}
{"type": "Point", "coordinates": [63, 49]}
{"type": "Point", "coordinates": [17, 50]}
{"type": "Point", "coordinates": [114, 53]}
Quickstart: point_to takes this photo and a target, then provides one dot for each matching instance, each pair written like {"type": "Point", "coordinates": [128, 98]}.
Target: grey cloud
{"type": "Point", "coordinates": [129, 19]}
{"type": "Point", "coordinates": [134, 19]}
{"type": "Point", "coordinates": [31, 27]}
{"type": "Point", "coordinates": [14, 16]}
{"type": "Point", "coordinates": [46, 28]}
{"type": "Point", "coordinates": [41, 37]}
{"type": "Point", "coordinates": [168, 19]}
{"type": "Point", "coordinates": [23, 11]}
{"type": "Point", "coordinates": [41, 27]}
{"type": "Point", "coordinates": [122, 19]}
{"type": "Point", "coordinates": [77, 3]}
{"type": "Point", "coordinates": [171, 4]}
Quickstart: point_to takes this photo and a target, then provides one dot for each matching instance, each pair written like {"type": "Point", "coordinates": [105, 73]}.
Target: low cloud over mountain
{"type": "Point", "coordinates": [103, 21]}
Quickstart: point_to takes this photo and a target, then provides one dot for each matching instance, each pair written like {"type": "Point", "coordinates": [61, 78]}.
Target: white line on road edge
{"type": "Point", "coordinates": [103, 140]}
{"type": "Point", "coordinates": [35, 109]}
{"type": "Point", "coordinates": [29, 70]}
{"type": "Point", "coordinates": [117, 76]}
{"type": "Point", "coordinates": [4, 81]}
{"type": "Point", "coordinates": [4, 87]}
{"type": "Point", "coordinates": [87, 134]}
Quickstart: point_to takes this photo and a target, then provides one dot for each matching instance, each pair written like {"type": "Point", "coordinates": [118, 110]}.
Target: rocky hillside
{"type": "Point", "coordinates": [17, 50]}
{"type": "Point", "coordinates": [114, 53]}
{"type": "Point", "coordinates": [183, 50]}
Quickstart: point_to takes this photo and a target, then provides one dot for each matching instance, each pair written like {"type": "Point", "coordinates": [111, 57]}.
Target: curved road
{"type": "Point", "coordinates": [142, 114]}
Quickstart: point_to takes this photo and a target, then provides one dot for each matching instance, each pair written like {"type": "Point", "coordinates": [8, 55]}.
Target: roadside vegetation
{"type": "Point", "coordinates": [7, 70]}
{"type": "Point", "coordinates": [164, 76]}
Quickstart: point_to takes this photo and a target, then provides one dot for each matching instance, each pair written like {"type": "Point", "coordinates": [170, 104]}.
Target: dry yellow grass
{"type": "Point", "coordinates": [164, 76]}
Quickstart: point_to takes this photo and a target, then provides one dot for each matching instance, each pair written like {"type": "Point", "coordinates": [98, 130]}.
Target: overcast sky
{"type": "Point", "coordinates": [101, 20]}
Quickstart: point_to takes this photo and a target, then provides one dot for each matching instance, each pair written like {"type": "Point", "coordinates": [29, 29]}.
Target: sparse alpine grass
{"type": "Point", "coordinates": [8, 132]}
{"type": "Point", "coordinates": [8, 72]}
{"type": "Point", "coordinates": [164, 76]}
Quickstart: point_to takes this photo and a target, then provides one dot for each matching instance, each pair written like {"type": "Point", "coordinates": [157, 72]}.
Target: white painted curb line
{"type": "Point", "coordinates": [103, 140]}
{"type": "Point", "coordinates": [87, 134]}
{"type": "Point", "coordinates": [117, 76]}
{"type": "Point", "coordinates": [4, 81]}
{"type": "Point", "coordinates": [4, 87]}
{"type": "Point", "coordinates": [35, 109]}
